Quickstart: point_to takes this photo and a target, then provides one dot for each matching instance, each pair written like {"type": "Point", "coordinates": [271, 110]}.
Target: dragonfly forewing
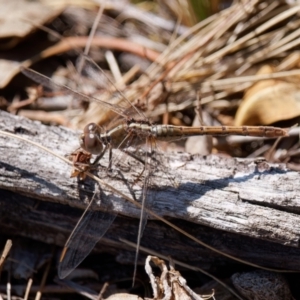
{"type": "Point", "coordinates": [89, 230]}
{"type": "Point", "coordinates": [49, 83]}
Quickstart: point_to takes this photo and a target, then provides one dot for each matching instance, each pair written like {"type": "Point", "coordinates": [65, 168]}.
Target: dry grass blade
{"type": "Point", "coordinates": [230, 44]}
{"type": "Point", "coordinates": [105, 286]}
{"type": "Point", "coordinates": [5, 252]}
{"type": "Point", "coordinates": [44, 278]}
{"type": "Point", "coordinates": [91, 36]}
{"type": "Point", "coordinates": [28, 287]}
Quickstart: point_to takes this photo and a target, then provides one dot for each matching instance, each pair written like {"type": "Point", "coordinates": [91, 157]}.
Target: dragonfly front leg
{"type": "Point", "coordinates": [99, 156]}
{"type": "Point", "coordinates": [110, 158]}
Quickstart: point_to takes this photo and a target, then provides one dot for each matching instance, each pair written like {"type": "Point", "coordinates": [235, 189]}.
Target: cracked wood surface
{"type": "Point", "coordinates": [248, 201]}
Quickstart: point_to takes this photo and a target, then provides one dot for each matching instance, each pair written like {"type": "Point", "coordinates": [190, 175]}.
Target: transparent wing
{"type": "Point", "coordinates": [145, 198]}
{"type": "Point", "coordinates": [94, 70]}
{"type": "Point", "coordinates": [49, 83]}
{"type": "Point", "coordinates": [89, 230]}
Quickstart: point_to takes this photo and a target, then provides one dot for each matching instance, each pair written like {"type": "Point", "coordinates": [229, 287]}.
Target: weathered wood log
{"type": "Point", "coordinates": [248, 208]}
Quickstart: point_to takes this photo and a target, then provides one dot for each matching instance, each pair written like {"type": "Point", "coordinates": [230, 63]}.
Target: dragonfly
{"type": "Point", "coordinates": [130, 131]}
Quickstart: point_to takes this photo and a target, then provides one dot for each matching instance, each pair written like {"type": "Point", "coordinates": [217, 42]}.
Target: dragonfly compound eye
{"type": "Point", "coordinates": [91, 127]}
{"type": "Point", "coordinates": [90, 139]}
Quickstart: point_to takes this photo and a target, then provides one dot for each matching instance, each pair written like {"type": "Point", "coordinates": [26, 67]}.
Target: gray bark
{"type": "Point", "coordinates": [248, 208]}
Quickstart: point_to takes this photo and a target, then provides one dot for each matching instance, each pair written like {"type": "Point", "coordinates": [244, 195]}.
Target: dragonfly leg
{"type": "Point", "coordinates": [110, 158]}
{"type": "Point", "coordinates": [138, 159]}
{"type": "Point", "coordinates": [98, 158]}
{"type": "Point", "coordinates": [134, 156]}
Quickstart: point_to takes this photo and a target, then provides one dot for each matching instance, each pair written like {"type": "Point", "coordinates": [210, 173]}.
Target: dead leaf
{"type": "Point", "coordinates": [170, 284]}
{"type": "Point", "coordinates": [269, 101]}
{"type": "Point", "coordinates": [200, 144]}
{"type": "Point", "coordinates": [7, 67]}
{"type": "Point", "coordinates": [18, 19]}
{"type": "Point", "coordinates": [14, 15]}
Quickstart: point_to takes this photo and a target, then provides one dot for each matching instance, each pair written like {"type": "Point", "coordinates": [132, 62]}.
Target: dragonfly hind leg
{"type": "Point", "coordinates": [136, 157]}
{"type": "Point", "coordinates": [99, 156]}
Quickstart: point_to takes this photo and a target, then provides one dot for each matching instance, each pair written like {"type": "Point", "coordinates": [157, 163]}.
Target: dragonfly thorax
{"type": "Point", "coordinates": [91, 140]}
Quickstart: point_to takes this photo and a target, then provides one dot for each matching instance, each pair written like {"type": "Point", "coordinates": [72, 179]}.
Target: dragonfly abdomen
{"type": "Point", "coordinates": [168, 131]}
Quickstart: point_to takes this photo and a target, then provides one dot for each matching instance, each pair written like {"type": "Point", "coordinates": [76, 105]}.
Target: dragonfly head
{"type": "Point", "coordinates": [90, 139]}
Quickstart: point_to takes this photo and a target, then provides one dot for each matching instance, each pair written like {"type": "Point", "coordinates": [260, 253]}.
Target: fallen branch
{"type": "Point", "coordinates": [252, 200]}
